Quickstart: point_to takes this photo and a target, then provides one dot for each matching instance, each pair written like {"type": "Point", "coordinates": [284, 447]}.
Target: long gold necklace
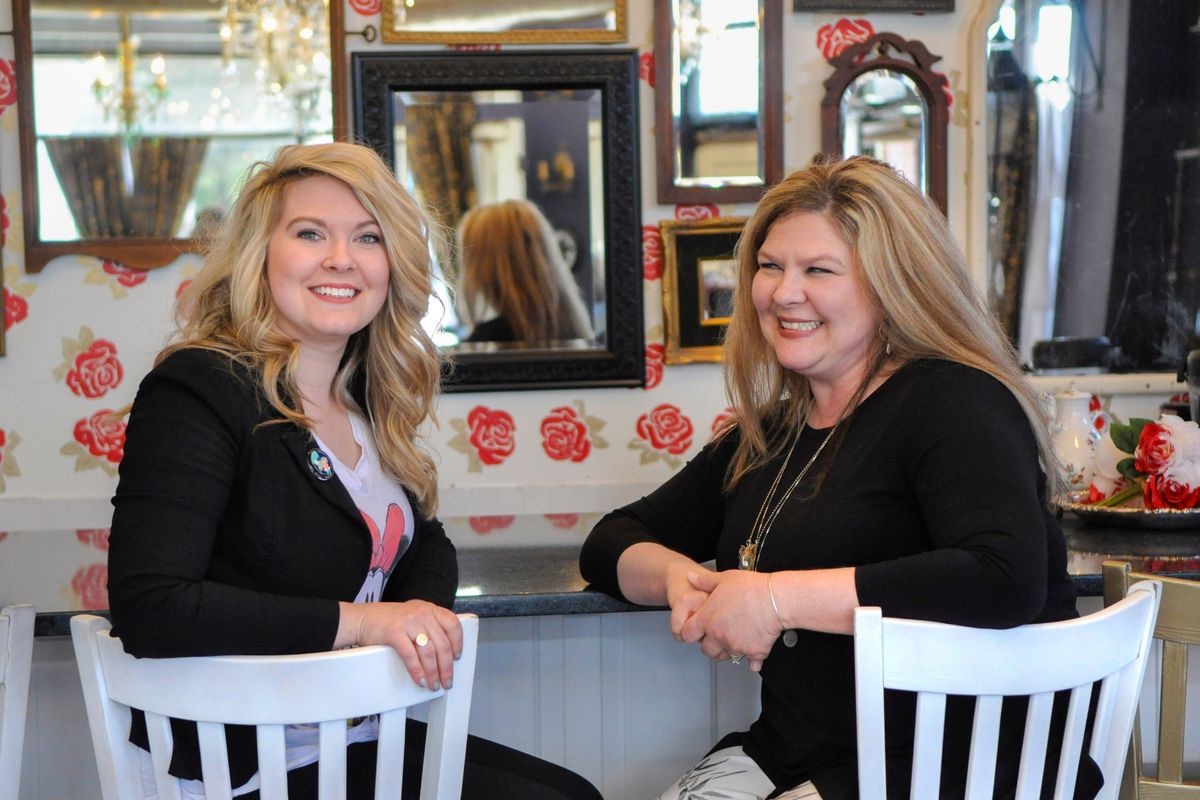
{"type": "Point", "coordinates": [748, 552]}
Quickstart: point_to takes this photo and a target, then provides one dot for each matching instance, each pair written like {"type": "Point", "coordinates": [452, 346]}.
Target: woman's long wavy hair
{"type": "Point", "coordinates": [391, 363]}
{"type": "Point", "coordinates": [511, 266]}
{"type": "Point", "coordinates": [914, 273]}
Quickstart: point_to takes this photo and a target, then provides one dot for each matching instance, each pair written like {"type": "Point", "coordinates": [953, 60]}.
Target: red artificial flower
{"type": "Point", "coordinates": [96, 370]}
{"type": "Point", "coordinates": [565, 435]}
{"type": "Point", "coordinates": [1154, 450]}
{"type": "Point", "coordinates": [666, 428]}
{"type": "Point", "coordinates": [1159, 491]}
{"type": "Point", "coordinates": [491, 434]}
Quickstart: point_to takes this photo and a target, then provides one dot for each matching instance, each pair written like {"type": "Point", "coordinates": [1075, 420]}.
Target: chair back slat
{"type": "Point", "coordinates": [389, 767]}
{"type": "Point", "coordinates": [1033, 748]}
{"type": "Point", "coordinates": [269, 692]}
{"type": "Point", "coordinates": [1171, 714]}
{"type": "Point", "coordinates": [985, 740]}
{"type": "Point", "coordinates": [1071, 752]}
{"type": "Point", "coordinates": [158, 732]}
{"type": "Point", "coordinates": [927, 745]}
{"type": "Point", "coordinates": [16, 657]}
{"type": "Point", "coordinates": [1033, 661]}
{"type": "Point", "coordinates": [272, 761]}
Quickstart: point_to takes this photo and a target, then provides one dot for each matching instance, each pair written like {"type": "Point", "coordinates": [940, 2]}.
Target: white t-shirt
{"type": "Point", "coordinates": [389, 516]}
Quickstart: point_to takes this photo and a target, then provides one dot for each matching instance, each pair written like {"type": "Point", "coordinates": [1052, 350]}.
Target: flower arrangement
{"type": "Point", "coordinates": [1156, 463]}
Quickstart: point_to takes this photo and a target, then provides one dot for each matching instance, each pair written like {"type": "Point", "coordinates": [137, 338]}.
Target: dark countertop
{"type": "Point", "coordinates": [535, 580]}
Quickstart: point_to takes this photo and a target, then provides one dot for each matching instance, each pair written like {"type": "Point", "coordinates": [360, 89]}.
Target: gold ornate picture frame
{"type": "Point", "coordinates": [546, 22]}
{"type": "Point", "coordinates": [699, 275]}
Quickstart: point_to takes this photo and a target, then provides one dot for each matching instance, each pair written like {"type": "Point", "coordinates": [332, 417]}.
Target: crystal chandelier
{"type": "Point", "coordinates": [287, 40]}
{"type": "Point", "coordinates": [135, 96]}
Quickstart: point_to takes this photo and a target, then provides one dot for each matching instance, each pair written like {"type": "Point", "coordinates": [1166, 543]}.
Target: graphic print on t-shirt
{"type": "Point", "coordinates": [386, 549]}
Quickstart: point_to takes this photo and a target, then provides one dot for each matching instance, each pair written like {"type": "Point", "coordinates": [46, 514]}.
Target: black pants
{"type": "Point", "coordinates": [492, 771]}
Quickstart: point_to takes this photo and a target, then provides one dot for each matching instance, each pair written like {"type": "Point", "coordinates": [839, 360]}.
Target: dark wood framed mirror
{"type": "Point", "coordinates": [556, 131]}
{"type": "Point", "coordinates": [885, 100]}
{"type": "Point", "coordinates": [137, 120]}
{"type": "Point", "coordinates": [718, 140]}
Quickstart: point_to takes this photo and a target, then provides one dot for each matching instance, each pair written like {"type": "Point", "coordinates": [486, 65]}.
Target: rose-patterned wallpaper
{"type": "Point", "coordinates": [81, 333]}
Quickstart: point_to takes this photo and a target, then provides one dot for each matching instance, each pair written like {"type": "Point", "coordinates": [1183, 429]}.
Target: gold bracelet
{"type": "Point", "coordinates": [774, 605]}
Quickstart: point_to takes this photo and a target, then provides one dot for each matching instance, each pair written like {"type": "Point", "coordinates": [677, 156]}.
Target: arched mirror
{"type": "Point", "coordinates": [884, 100]}
{"type": "Point", "coordinates": [529, 161]}
{"type": "Point", "coordinates": [137, 119]}
{"type": "Point", "coordinates": [1093, 180]}
{"type": "Point", "coordinates": [718, 97]}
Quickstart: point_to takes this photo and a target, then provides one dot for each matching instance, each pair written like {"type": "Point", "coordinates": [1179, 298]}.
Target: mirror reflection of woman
{"type": "Point", "coordinates": [515, 285]}
{"type": "Point", "coordinates": [275, 496]}
{"type": "Point", "coordinates": [886, 451]}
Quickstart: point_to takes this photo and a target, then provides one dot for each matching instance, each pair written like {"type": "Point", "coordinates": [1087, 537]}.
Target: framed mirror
{"type": "Point", "coordinates": [489, 22]}
{"type": "Point", "coordinates": [137, 120]}
{"type": "Point", "coordinates": [718, 99]}
{"type": "Point", "coordinates": [885, 100]}
{"type": "Point", "coordinates": [1092, 193]}
{"type": "Point", "coordinates": [529, 162]}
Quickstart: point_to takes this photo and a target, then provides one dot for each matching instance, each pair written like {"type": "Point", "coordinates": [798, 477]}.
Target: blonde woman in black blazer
{"type": "Point", "coordinates": [300, 350]}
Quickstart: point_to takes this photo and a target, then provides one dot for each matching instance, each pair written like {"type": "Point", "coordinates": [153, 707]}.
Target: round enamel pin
{"type": "Point", "coordinates": [318, 464]}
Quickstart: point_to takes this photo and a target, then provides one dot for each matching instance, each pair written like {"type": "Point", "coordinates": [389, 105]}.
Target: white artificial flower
{"type": "Point", "coordinates": [1108, 455]}
{"type": "Point", "coordinates": [1184, 472]}
{"type": "Point", "coordinates": [1184, 435]}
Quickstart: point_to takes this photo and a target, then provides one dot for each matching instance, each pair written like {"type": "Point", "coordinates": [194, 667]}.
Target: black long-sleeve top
{"type": "Point", "coordinates": [934, 493]}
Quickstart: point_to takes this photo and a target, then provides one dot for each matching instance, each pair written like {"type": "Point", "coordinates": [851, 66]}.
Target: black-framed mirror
{"type": "Point", "coordinates": [555, 131]}
{"type": "Point", "coordinates": [138, 119]}
{"type": "Point", "coordinates": [885, 100]}
{"type": "Point", "coordinates": [718, 98]}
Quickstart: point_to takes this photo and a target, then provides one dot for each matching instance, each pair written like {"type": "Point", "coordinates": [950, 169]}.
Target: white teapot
{"type": "Point", "coordinates": [1075, 434]}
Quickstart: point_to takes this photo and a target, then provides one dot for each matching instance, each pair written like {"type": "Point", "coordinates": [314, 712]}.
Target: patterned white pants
{"type": "Point", "coordinates": [730, 774]}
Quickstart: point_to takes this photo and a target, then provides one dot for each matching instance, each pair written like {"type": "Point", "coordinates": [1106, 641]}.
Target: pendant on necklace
{"type": "Point", "coordinates": [748, 555]}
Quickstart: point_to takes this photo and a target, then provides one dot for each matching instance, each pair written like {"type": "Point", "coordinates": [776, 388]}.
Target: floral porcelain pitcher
{"type": "Point", "coordinates": [1076, 431]}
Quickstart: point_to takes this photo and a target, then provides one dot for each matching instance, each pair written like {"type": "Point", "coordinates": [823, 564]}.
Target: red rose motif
{"type": "Point", "coordinates": [563, 520]}
{"type": "Point", "coordinates": [474, 48]}
{"type": "Point", "coordinates": [126, 276]}
{"type": "Point", "coordinates": [3, 439]}
{"type": "Point", "coordinates": [8, 83]}
{"type": "Point", "coordinates": [3, 221]}
{"type": "Point", "coordinates": [565, 435]}
{"type": "Point", "coordinates": [666, 428]}
{"type": "Point", "coordinates": [651, 253]}
{"type": "Point", "coordinates": [491, 434]}
{"type": "Point", "coordinates": [654, 364]}
{"type": "Point", "coordinates": [103, 434]}
{"type": "Point", "coordinates": [367, 8]}
{"type": "Point", "coordinates": [1159, 491]}
{"type": "Point", "coordinates": [179, 290]}
{"type": "Point", "coordinates": [697, 211]}
{"type": "Point", "coordinates": [97, 537]}
{"type": "Point", "coordinates": [96, 370]}
{"type": "Point", "coordinates": [90, 584]}
{"type": "Point", "coordinates": [1154, 450]}
{"type": "Point", "coordinates": [490, 523]}
{"type": "Point", "coordinates": [1180, 397]}
{"type": "Point", "coordinates": [833, 39]}
{"type": "Point", "coordinates": [16, 308]}
{"type": "Point", "coordinates": [3, 535]}
{"type": "Point", "coordinates": [646, 68]}
{"type": "Point", "coordinates": [726, 417]}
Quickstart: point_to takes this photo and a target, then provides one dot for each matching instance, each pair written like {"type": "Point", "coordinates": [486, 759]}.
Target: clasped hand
{"type": "Point", "coordinates": [726, 612]}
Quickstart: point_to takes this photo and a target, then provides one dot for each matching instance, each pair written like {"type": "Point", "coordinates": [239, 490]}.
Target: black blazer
{"type": "Point", "coordinates": [225, 542]}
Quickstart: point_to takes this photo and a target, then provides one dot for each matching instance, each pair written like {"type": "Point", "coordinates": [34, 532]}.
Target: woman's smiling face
{"type": "Point", "coordinates": [327, 267]}
{"type": "Point", "coordinates": [812, 304]}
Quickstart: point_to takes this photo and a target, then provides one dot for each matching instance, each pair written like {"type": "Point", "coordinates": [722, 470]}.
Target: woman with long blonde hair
{"type": "Point", "coordinates": [515, 285]}
{"type": "Point", "coordinates": [275, 496]}
{"type": "Point", "coordinates": [886, 450]}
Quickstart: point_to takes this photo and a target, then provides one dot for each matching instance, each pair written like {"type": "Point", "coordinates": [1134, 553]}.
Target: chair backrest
{"type": "Point", "coordinates": [16, 656]}
{"type": "Point", "coordinates": [1178, 626]}
{"type": "Point", "coordinates": [935, 660]}
{"type": "Point", "coordinates": [268, 692]}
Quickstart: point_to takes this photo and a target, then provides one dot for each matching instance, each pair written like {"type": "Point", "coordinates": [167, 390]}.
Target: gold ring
{"type": "Point", "coordinates": [421, 640]}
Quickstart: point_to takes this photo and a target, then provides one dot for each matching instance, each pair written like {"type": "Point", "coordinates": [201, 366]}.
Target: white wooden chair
{"type": "Point", "coordinates": [268, 692]}
{"type": "Point", "coordinates": [16, 656]}
{"type": "Point", "coordinates": [937, 660]}
{"type": "Point", "coordinates": [1177, 627]}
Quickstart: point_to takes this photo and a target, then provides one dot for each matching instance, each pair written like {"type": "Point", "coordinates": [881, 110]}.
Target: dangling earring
{"type": "Point", "coordinates": [887, 347]}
